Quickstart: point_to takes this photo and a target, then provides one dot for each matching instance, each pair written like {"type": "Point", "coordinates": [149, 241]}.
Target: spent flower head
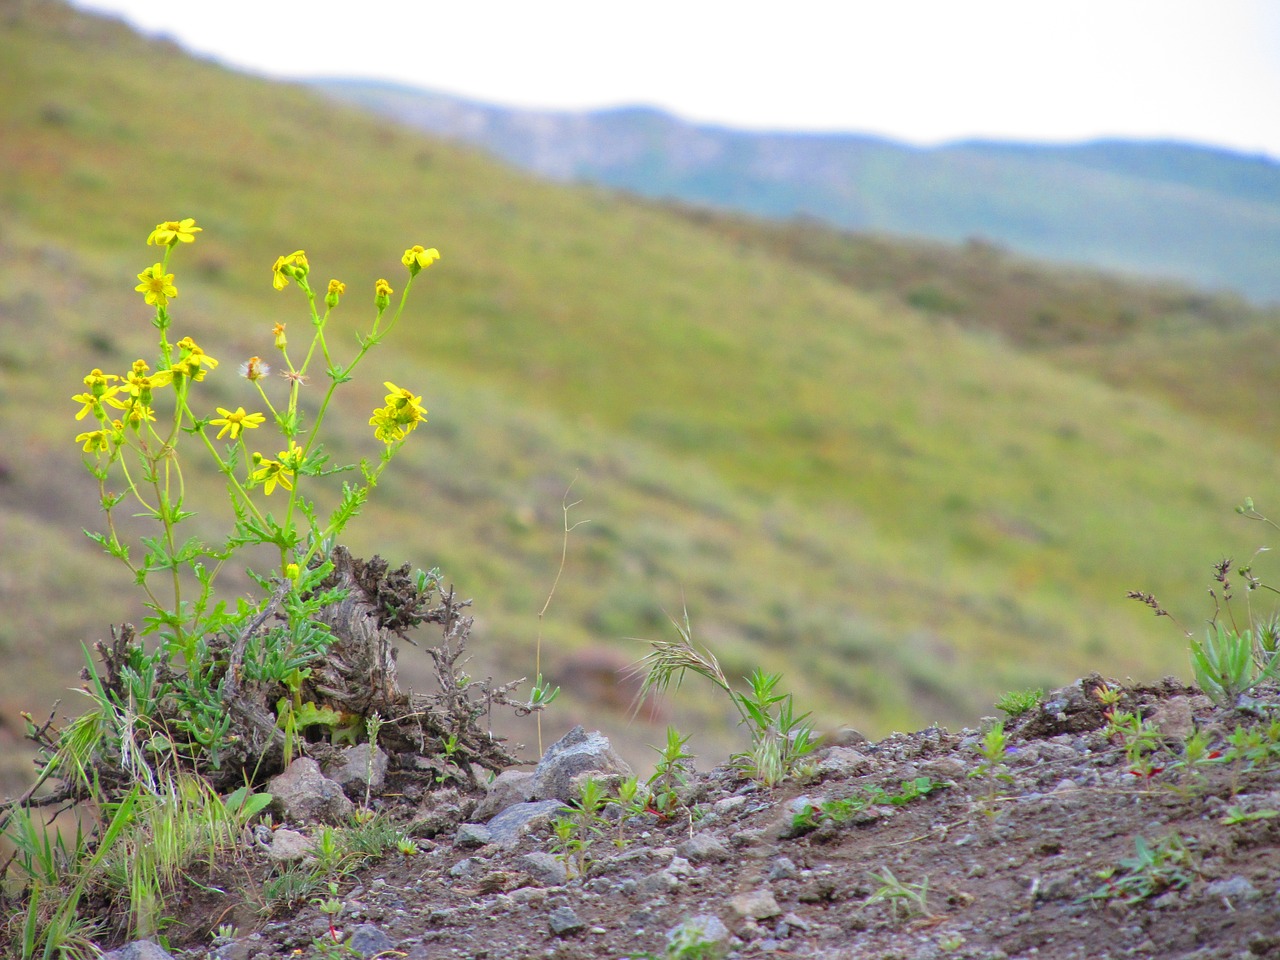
{"type": "Point", "coordinates": [417, 259]}
{"type": "Point", "coordinates": [172, 232]}
{"type": "Point", "coordinates": [254, 369]}
{"type": "Point", "coordinates": [156, 286]}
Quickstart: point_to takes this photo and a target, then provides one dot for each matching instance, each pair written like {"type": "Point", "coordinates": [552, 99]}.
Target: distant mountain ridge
{"type": "Point", "coordinates": [1196, 214]}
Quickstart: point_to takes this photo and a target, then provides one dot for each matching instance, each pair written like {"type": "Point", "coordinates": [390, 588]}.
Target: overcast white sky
{"type": "Point", "coordinates": [924, 71]}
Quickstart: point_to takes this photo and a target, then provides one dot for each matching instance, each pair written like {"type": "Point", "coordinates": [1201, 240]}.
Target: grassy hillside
{"type": "Point", "coordinates": [906, 515]}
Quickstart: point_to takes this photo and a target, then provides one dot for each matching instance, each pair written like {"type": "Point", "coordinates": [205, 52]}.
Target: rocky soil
{"type": "Point", "coordinates": [1072, 843]}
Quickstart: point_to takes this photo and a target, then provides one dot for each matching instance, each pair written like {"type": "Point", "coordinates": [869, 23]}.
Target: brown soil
{"type": "Point", "coordinates": [1010, 863]}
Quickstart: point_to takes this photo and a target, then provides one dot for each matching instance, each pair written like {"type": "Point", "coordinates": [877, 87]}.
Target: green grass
{"type": "Point", "coordinates": [904, 516]}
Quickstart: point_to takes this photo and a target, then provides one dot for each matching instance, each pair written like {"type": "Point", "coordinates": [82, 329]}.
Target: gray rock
{"type": "Point", "coordinates": [1173, 718]}
{"type": "Point", "coordinates": [790, 923]}
{"type": "Point", "coordinates": [784, 868]}
{"type": "Point", "coordinates": [944, 768]}
{"type": "Point", "coordinates": [288, 846]}
{"type": "Point", "coordinates": [703, 928]}
{"type": "Point", "coordinates": [509, 788]}
{"type": "Point", "coordinates": [368, 940]}
{"type": "Point", "coordinates": [358, 768]}
{"type": "Point", "coordinates": [729, 805]}
{"type": "Point", "coordinates": [845, 762]}
{"type": "Point", "coordinates": [755, 905]}
{"type": "Point", "coordinates": [472, 835]}
{"type": "Point", "coordinates": [139, 950]}
{"type": "Point", "coordinates": [544, 868]}
{"type": "Point", "coordinates": [514, 822]}
{"type": "Point", "coordinates": [564, 921]}
{"type": "Point", "coordinates": [1233, 888]}
{"type": "Point", "coordinates": [466, 867]}
{"type": "Point", "coordinates": [303, 794]}
{"type": "Point", "coordinates": [575, 753]}
{"type": "Point", "coordinates": [701, 848]}
{"type": "Point", "coordinates": [656, 884]}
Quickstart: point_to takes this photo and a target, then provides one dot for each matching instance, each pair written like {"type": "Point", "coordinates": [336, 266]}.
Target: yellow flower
{"type": "Point", "coordinates": [91, 403]}
{"type": "Point", "coordinates": [385, 427]}
{"type": "Point", "coordinates": [157, 286]}
{"type": "Point", "coordinates": [278, 331]}
{"type": "Point", "coordinates": [416, 258]}
{"type": "Point", "coordinates": [95, 441]}
{"type": "Point", "coordinates": [292, 267]}
{"type": "Point", "coordinates": [100, 389]}
{"type": "Point", "coordinates": [382, 294]}
{"type": "Point", "coordinates": [194, 359]}
{"type": "Point", "coordinates": [233, 423]}
{"type": "Point", "coordinates": [172, 232]}
{"type": "Point", "coordinates": [135, 414]}
{"type": "Point", "coordinates": [97, 381]}
{"type": "Point", "coordinates": [254, 369]}
{"type": "Point", "coordinates": [402, 413]}
{"type": "Point", "coordinates": [403, 403]}
{"type": "Point", "coordinates": [140, 384]}
{"type": "Point", "coordinates": [269, 473]}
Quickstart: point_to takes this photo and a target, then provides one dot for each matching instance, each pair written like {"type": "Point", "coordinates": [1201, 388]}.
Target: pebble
{"type": "Point", "coordinates": [368, 939]}
{"type": "Point", "coordinates": [702, 848]}
{"type": "Point", "coordinates": [564, 921]}
{"type": "Point", "coordinates": [755, 904]}
{"type": "Point", "coordinates": [1233, 888]}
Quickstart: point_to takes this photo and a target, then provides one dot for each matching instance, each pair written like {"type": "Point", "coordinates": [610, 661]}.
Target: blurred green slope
{"type": "Point", "coordinates": [905, 514]}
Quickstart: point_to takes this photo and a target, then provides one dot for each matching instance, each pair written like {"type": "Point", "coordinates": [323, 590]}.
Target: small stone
{"type": "Point", "coordinates": [564, 921]}
{"type": "Point", "coordinates": [368, 940]}
{"type": "Point", "coordinates": [544, 868]}
{"type": "Point", "coordinates": [729, 805]}
{"type": "Point", "coordinates": [509, 788]}
{"type": "Point", "coordinates": [944, 768]}
{"type": "Point", "coordinates": [288, 846]}
{"type": "Point", "coordinates": [703, 928]}
{"type": "Point", "coordinates": [1233, 888]}
{"type": "Point", "coordinates": [791, 922]}
{"type": "Point", "coordinates": [702, 848]}
{"type": "Point", "coordinates": [845, 762]}
{"type": "Point", "coordinates": [784, 868]}
{"type": "Point", "coordinates": [359, 768]}
{"type": "Point", "coordinates": [473, 835]}
{"type": "Point", "coordinates": [755, 905]}
{"type": "Point", "coordinates": [656, 884]}
{"type": "Point", "coordinates": [466, 867]}
{"type": "Point", "coordinates": [1173, 719]}
{"type": "Point", "coordinates": [679, 867]}
{"type": "Point", "coordinates": [575, 753]}
{"type": "Point", "coordinates": [303, 794]}
{"type": "Point", "coordinates": [514, 822]}
{"type": "Point", "coordinates": [139, 950]}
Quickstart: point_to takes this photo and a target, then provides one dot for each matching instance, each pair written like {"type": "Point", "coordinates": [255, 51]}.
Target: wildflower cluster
{"type": "Point", "coordinates": [140, 420]}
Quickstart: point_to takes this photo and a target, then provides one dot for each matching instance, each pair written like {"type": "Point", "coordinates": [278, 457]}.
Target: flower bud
{"type": "Point", "coordinates": [336, 289]}
{"type": "Point", "coordinates": [382, 294]}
